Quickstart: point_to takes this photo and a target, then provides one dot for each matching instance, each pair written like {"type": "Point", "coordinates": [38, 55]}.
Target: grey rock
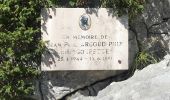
{"type": "Point", "coordinates": [139, 27]}
{"type": "Point", "coordinates": [153, 13]}
{"type": "Point", "coordinates": [57, 84]}
{"type": "Point", "coordinates": [151, 83]}
{"type": "Point", "coordinates": [156, 11]}
{"type": "Point", "coordinates": [155, 18]}
{"type": "Point", "coordinates": [133, 47]}
{"type": "Point", "coordinates": [162, 28]}
{"type": "Point", "coordinates": [150, 26]}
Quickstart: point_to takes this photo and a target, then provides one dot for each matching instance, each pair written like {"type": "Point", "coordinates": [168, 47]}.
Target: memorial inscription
{"type": "Point", "coordinates": [77, 40]}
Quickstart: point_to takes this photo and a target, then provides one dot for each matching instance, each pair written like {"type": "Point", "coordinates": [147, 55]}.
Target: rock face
{"type": "Point", "coordinates": [151, 83]}
{"type": "Point", "coordinates": [152, 30]}
{"type": "Point", "coordinates": [55, 85]}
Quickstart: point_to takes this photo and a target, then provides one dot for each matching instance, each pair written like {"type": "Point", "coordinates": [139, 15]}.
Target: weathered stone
{"type": "Point", "coordinates": [152, 14]}
{"type": "Point", "coordinates": [150, 26]}
{"type": "Point", "coordinates": [133, 47]}
{"type": "Point", "coordinates": [139, 27]}
{"type": "Point", "coordinates": [162, 28]}
{"type": "Point", "coordinates": [59, 83]}
{"type": "Point", "coordinates": [151, 83]}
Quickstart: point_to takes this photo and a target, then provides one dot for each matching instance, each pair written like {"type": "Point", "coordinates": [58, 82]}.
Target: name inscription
{"type": "Point", "coordinates": [104, 46]}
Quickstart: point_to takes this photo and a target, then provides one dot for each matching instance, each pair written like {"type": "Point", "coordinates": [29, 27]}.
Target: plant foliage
{"type": "Point", "coordinates": [20, 47]}
{"type": "Point", "coordinates": [134, 7]}
{"type": "Point", "coordinates": [143, 59]}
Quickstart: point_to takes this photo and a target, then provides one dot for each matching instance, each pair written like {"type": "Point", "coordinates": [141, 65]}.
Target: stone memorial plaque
{"type": "Point", "coordinates": [84, 39]}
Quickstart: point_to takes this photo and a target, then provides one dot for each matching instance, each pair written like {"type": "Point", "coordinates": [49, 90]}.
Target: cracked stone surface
{"type": "Point", "coordinates": [55, 85]}
{"type": "Point", "coordinates": [151, 83]}
{"type": "Point", "coordinates": [152, 30]}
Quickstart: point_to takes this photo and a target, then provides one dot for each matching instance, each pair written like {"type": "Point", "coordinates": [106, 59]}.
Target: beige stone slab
{"type": "Point", "coordinates": [78, 39]}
